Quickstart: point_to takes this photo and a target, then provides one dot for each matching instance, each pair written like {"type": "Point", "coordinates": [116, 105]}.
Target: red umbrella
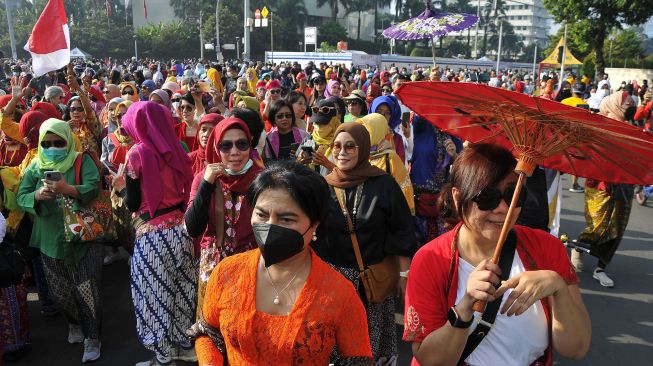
{"type": "Point", "coordinates": [538, 131]}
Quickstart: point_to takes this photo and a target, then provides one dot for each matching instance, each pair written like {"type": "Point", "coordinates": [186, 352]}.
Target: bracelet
{"type": "Point", "coordinates": [404, 274]}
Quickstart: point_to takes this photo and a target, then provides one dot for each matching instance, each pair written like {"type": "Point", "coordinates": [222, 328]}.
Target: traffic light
{"type": "Point", "coordinates": [561, 51]}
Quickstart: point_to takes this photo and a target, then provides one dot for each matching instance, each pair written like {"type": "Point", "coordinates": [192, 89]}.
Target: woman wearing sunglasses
{"type": "Point", "coordinates": [190, 111]}
{"type": "Point", "coordinates": [382, 225]}
{"type": "Point", "coordinates": [82, 120]}
{"type": "Point", "coordinates": [283, 134]}
{"type": "Point", "coordinates": [222, 221]}
{"type": "Point", "coordinates": [163, 275]}
{"type": "Point", "coordinates": [538, 304]}
{"type": "Point", "coordinates": [128, 91]}
{"type": "Point", "coordinates": [72, 270]}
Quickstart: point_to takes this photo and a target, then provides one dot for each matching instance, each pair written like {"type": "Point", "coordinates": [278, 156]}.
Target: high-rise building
{"type": "Point", "coordinates": [529, 19]}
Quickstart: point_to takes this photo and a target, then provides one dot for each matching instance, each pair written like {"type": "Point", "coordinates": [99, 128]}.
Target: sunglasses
{"type": "Point", "coordinates": [105, 91]}
{"type": "Point", "coordinates": [241, 144]}
{"type": "Point", "coordinates": [349, 147]}
{"type": "Point", "coordinates": [55, 143]}
{"type": "Point", "coordinates": [385, 90]}
{"type": "Point", "coordinates": [175, 100]}
{"type": "Point", "coordinates": [275, 91]}
{"type": "Point", "coordinates": [323, 110]}
{"type": "Point", "coordinates": [127, 92]}
{"type": "Point", "coordinates": [490, 198]}
{"type": "Point", "coordinates": [76, 109]}
{"type": "Point", "coordinates": [284, 115]}
{"type": "Point", "coordinates": [120, 115]}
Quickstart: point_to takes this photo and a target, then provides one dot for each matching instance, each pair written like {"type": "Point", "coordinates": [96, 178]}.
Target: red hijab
{"type": "Point", "coordinates": [47, 109]}
{"type": "Point", "coordinates": [29, 126]}
{"type": "Point", "coordinates": [234, 183]}
{"type": "Point", "coordinates": [198, 157]}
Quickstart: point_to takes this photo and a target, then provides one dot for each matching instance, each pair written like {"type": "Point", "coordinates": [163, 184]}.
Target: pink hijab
{"type": "Point", "coordinates": [157, 145]}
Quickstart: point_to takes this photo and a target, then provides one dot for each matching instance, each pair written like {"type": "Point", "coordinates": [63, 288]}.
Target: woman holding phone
{"type": "Point", "coordinates": [72, 270]}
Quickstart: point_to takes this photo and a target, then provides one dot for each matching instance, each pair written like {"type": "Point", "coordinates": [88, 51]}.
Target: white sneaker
{"type": "Point", "coordinates": [576, 260]}
{"type": "Point", "coordinates": [91, 350]}
{"type": "Point", "coordinates": [75, 334]}
{"type": "Point", "coordinates": [604, 280]}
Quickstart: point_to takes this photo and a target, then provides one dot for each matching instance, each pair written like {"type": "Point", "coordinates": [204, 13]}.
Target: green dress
{"type": "Point", "coordinates": [48, 229]}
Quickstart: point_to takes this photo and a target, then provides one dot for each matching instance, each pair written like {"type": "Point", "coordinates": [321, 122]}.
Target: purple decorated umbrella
{"type": "Point", "coordinates": [430, 24]}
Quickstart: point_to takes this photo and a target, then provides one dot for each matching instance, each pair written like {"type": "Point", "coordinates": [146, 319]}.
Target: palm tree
{"type": "Point", "coordinates": [359, 6]}
{"type": "Point", "coordinates": [290, 28]}
{"type": "Point", "coordinates": [492, 10]}
{"type": "Point", "coordinates": [333, 4]}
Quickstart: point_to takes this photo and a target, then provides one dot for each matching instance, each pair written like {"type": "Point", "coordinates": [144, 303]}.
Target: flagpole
{"type": "Point", "coordinates": [10, 22]}
{"type": "Point", "coordinates": [564, 53]}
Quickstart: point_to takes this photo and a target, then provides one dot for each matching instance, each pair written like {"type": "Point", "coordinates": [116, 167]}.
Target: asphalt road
{"type": "Point", "coordinates": [622, 317]}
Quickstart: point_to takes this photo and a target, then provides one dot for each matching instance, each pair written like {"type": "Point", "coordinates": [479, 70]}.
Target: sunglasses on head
{"type": "Point", "coordinates": [76, 109]}
{"type": "Point", "coordinates": [55, 143]}
{"type": "Point", "coordinates": [241, 144]}
{"type": "Point", "coordinates": [323, 110]}
{"type": "Point", "coordinates": [275, 91]}
{"type": "Point", "coordinates": [284, 115]}
{"type": "Point", "coordinates": [490, 198]}
{"type": "Point", "coordinates": [349, 147]}
{"type": "Point", "coordinates": [127, 92]}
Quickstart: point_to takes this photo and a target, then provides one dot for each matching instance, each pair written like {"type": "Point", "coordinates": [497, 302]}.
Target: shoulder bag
{"type": "Point", "coordinates": [92, 223]}
{"type": "Point", "coordinates": [379, 280]}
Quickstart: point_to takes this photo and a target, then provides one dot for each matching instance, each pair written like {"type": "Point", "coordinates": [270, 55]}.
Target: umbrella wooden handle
{"type": "Point", "coordinates": [508, 223]}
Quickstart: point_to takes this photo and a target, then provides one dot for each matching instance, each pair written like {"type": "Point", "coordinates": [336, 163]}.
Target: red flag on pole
{"type": "Point", "coordinates": [108, 8]}
{"type": "Point", "coordinates": [145, 8]}
{"type": "Point", "coordinates": [49, 42]}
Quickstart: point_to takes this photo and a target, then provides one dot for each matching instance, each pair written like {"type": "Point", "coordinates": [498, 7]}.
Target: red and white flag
{"type": "Point", "coordinates": [49, 42]}
{"type": "Point", "coordinates": [145, 8]}
{"type": "Point", "coordinates": [108, 5]}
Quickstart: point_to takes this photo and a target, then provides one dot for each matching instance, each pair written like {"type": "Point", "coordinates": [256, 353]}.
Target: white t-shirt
{"type": "Point", "coordinates": [513, 341]}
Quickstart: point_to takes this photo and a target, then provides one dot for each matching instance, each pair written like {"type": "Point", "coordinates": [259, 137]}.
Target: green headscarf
{"type": "Point", "coordinates": [250, 103]}
{"type": "Point", "coordinates": [61, 129]}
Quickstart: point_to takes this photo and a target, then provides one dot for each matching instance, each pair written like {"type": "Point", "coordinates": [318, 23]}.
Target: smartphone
{"type": "Point", "coordinates": [308, 149]}
{"type": "Point", "coordinates": [52, 175]}
{"type": "Point", "coordinates": [405, 118]}
{"type": "Point", "coordinates": [203, 86]}
{"type": "Point", "coordinates": [294, 146]}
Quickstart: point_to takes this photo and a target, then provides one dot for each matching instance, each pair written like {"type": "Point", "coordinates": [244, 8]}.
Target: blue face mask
{"type": "Point", "coordinates": [56, 154]}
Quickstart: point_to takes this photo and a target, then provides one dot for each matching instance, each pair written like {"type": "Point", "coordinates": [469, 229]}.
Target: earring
{"type": "Point", "coordinates": [314, 238]}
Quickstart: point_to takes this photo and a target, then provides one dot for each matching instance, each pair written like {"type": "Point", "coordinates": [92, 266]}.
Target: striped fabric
{"type": "Point", "coordinates": [164, 288]}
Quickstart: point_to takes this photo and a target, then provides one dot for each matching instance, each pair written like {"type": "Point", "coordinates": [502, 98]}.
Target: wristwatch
{"type": "Point", "coordinates": [455, 321]}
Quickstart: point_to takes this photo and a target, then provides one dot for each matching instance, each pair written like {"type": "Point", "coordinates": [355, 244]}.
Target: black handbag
{"type": "Point", "coordinates": [12, 265]}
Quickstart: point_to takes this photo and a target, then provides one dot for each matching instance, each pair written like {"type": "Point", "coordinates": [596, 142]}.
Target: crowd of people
{"type": "Point", "coordinates": [274, 214]}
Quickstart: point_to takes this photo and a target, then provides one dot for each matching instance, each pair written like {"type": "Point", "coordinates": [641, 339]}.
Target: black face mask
{"type": "Point", "coordinates": [629, 114]}
{"type": "Point", "coordinates": [277, 243]}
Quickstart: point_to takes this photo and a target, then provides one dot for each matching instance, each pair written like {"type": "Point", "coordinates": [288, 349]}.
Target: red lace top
{"type": "Point", "coordinates": [328, 312]}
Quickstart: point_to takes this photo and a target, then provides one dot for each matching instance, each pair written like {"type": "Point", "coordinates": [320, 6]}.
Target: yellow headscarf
{"type": "Point", "coordinates": [216, 78]}
{"type": "Point", "coordinates": [122, 138]}
{"type": "Point", "coordinates": [382, 153]}
{"type": "Point", "coordinates": [252, 80]}
{"type": "Point", "coordinates": [132, 85]}
{"type": "Point", "coordinates": [323, 135]}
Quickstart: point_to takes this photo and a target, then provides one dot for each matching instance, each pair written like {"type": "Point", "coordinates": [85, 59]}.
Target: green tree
{"type": "Point", "coordinates": [602, 15]}
{"type": "Point", "coordinates": [491, 12]}
{"type": "Point", "coordinates": [627, 46]}
{"type": "Point", "coordinates": [331, 32]}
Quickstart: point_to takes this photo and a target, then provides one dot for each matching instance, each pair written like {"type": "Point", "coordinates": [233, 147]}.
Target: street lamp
{"type": "Point", "coordinates": [237, 47]}
{"type": "Point", "coordinates": [135, 47]}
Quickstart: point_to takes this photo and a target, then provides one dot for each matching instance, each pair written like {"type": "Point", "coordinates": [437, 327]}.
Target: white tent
{"type": "Point", "coordinates": [77, 53]}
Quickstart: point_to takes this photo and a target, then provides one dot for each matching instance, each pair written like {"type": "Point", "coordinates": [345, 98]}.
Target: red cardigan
{"type": "Point", "coordinates": [433, 280]}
